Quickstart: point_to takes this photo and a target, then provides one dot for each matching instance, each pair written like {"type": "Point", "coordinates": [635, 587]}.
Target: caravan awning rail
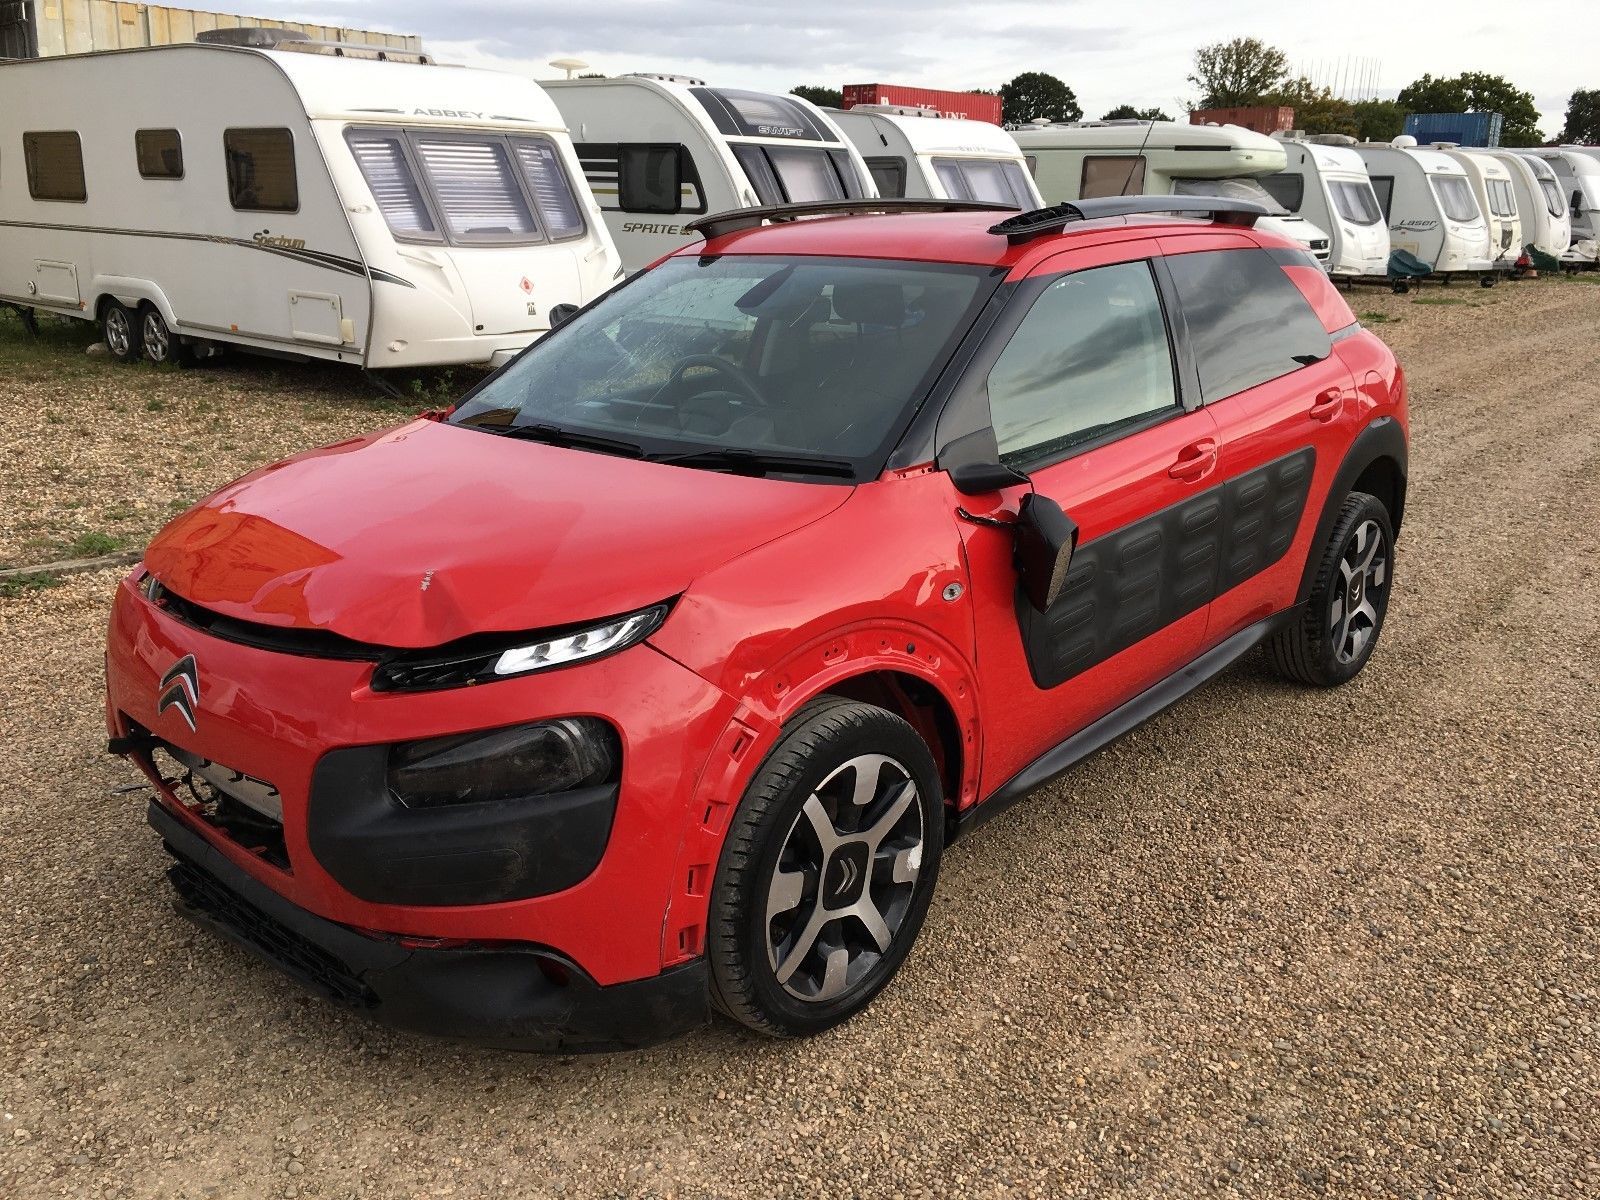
{"type": "Point", "coordinates": [718, 224]}
{"type": "Point", "coordinates": [1026, 226]}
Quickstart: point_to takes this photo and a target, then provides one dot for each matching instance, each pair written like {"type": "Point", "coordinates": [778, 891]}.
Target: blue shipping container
{"type": "Point", "coordinates": [1464, 129]}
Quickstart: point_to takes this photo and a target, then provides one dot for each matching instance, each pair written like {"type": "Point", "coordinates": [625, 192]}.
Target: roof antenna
{"type": "Point", "coordinates": [1138, 161]}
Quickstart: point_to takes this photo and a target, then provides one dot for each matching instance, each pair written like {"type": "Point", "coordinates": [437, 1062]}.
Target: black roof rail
{"type": "Point", "coordinates": [717, 224]}
{"type": "Point", "coordinates": [1026, 226]}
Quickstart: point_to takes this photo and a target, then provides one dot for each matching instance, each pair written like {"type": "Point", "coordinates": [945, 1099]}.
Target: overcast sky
{"type": "Point", "coordinates": [1136, 52]}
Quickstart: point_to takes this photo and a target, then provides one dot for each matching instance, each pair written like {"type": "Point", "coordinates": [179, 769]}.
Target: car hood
{"type": "Point", "coordinates": [419, 535]}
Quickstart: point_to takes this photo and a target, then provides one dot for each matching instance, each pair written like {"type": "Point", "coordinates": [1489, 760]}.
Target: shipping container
{"type": "Point", "coordinates": [48, 28]}
{"type": "Point", "coordinates": [1464, 129]}
{"type": "Point", "coordinates": [973, 106]}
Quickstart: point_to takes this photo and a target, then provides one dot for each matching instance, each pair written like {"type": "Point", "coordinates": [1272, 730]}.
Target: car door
{"type": "Point", "coordinates": [1081, 384]}
{"type": "Point", "coordinates": [1284, 403]}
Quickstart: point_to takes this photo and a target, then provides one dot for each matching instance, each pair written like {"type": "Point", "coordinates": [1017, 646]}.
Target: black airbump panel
{"type": "Point", "coordinates": [1131, 583]}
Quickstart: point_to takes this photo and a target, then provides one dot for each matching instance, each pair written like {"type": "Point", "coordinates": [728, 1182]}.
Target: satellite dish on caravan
{"type": "Point", "coordinates": [1404, 142]}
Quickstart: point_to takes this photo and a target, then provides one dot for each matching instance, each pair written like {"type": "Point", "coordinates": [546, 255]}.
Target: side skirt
{"type": "Point", "coordinates": [1121, 720]}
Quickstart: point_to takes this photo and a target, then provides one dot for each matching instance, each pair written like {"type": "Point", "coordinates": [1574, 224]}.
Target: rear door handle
{"type": "Point", "coordinates": [1327, 404]}
{"type": "Point", "coordinates": [1198, 460]}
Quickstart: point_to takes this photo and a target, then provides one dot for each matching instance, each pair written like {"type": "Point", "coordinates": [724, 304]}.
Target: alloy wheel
{"type": "Point", "coordinates": [1359, 593]}
{"type": "Point", "coordinates": [845, 878]}
{"type": "Point", "coordinates": [157, 339]}
{"type": "Point", "coordinates": [118, 332]}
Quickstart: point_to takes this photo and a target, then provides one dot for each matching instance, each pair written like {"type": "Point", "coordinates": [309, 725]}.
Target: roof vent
{"type": "Point", "coordinates": [255, 37]}
{"type": "Point", "coordinates": [1404, 142]}
{"type": "Point", "coordinates": [666, 77]}
{"type": "Point", "coordinates": [895, 110]}
{"type": "Point", "coordinates": [1333, 139]}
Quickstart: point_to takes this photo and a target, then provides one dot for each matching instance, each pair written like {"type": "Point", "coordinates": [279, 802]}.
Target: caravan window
{"type": "Point", "coordinates": [1287, 188]}
{"type": "Point", "coordinates": [1383, 189]}
{"type": "Point", "coordinates": [54, 163]}
{"type": "Point", "coordinates": [547, 181]}
{"type": "Point", "coordinates": [1111, 175]}
{"type": "Point", "coordinates": [888, 175]}
{"type": "Point", "coordinates": [1355, 201]}
{"type": "Point", "coordinates": [987, 179]}
{"type": "Point", "coordinates": [796, 174]}
{"type": "Point", "coordinates": [758, 114]}
{"type": "Point", "coordinates": [643, 177]}
{"type": "Point", "coordinates": [1234, 187]}
{"type": "Point", "coordinates": [159, 153]}
{"type": "Point", "coordinates": [1501, 202]}
{"type": "Point", "coordinates": [1455, 197]}
{"type": "Point", "coordinates": [1554, 201]}
{"type": "Point", "coordinates": [476, 188]}
{"type": "Point", "coordinates": [261, 175]}
{"type": "Point", "coordinates": [387, 168]}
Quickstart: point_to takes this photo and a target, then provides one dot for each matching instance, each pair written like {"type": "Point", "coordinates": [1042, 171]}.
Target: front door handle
{"type": "Point", "coordinates": [1198, 460]}
{"type": "Point", "coordinates": [1327, 404]}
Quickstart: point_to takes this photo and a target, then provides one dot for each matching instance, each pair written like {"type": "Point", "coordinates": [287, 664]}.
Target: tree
{"type": "Point", "coordinates": [1316, 109]}
{"type": "Point", "coordinates": [822, 97]}
{"type": "Point", "coordinates": [1237, 74]}
{"type": "Point", "coordinates": [1474, 91]}
{"type": "Point", "coordinates": [1127, 112]}
{"type": "Point", "coordinates": [1378, 120]}
{"type": "Point", "coordinates": [1583, 118]}
{"type": "Point", "coordinates": [1034, 95]}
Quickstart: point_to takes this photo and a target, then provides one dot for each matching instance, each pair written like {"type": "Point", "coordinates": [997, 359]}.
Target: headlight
{"type": "Point", "coordinates": [518, 763]}
{"type": "Point", "coordinates": [482, 660]}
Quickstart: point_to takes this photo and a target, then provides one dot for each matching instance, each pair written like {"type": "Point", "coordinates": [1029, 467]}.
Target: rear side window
{"type": "Point", "coordinates": [1383, 189]}
{"type": "Point", "coordinates": [888, 175]}
{"type": "Point", "coordinates": [1356, 202]}
{"type": "Point", "coordinates": [1287, 188]}
{"type": "Point", "coordinates": [1112, 175]}
{"type": "Point", "coordinates": [1247, 321]}
{"type": "Point", "coordinates": [1091, 357]}
{"type": "Point", "coordinates": [990, 180]}
{"type": "Point", "coordinates": [159, 152]}
{"type": "Point", "coordinates": [54, 164]}
{"type": "Point", "coordinates": [261, 171]}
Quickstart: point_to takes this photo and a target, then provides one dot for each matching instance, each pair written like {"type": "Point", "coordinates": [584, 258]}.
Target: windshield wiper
{"type": "Point", "coordinates": [554, 435]}
{"type": "Point", "coordinates": [756, 462]}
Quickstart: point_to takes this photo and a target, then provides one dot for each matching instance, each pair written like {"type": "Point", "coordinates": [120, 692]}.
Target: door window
{"type": "Point", "coordinates": [1247, 321]}
{"type": "Point", "coordinates": [1091, 357]}
{"type": "Point", "coordinates": [1112, 175]}
{"type": "Point", "coordinates": [889, 174]}
{"type": "Point", "coordinates": [1383, 189]}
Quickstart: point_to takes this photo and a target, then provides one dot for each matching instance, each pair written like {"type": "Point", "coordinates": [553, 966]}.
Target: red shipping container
{"type": "Point", "coordinates": [975, 106]}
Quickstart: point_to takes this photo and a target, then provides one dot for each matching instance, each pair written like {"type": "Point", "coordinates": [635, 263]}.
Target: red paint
{"type": "Point", "coordinates": [974, 106]}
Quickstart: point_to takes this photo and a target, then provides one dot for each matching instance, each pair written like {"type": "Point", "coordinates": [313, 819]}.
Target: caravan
{"type": "Point", "coordinates": [310, 200]}
{"type": "Point", "coordinates": [1577, 172]}
{"type": "Point", "coordinates": [1427, 199]}
{"type": "Point", "coordinates": [1541, 205]}
{"type": "Point", "coordinates": [1325, 181]}
{"type": "Point", "coordinates": [916, 153]}
{"type": "Point", "coordinates": [659, 150]}
{"type": "Point", "coordinates": [1159, 158]}
{"type": "Point", "coordinates": [1497, 200]}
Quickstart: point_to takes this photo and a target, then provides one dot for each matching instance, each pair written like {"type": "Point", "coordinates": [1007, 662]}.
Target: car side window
{"type": "Point", "coordinates": [1247, 321]}
{"type": "Point", "coordinates": [1091, 356]}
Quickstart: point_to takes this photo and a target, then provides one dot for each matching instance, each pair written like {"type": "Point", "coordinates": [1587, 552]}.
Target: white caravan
{"type": "Point", "coordinates": [1541, 204]}
{"type": "Point", "coordinates": [1577, 171]}
{"type": "Point", "coordinates": [1160, 158]}
{"type": "Point", "coordinates": [1326, 182]}
{"type": "Point", "coordinates": [1429, 204]}
{"type": "Point", "coordinates": [659, 150]}
{"type": "Point", "coordinates": [916, 153]}
{"type": "Point", "coordinates": [292, 201]}
{"type": "Point", "coordinates": [1497, 201]}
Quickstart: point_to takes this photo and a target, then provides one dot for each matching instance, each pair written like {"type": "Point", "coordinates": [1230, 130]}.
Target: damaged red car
{"type": "Point", "coordinates": [655, 679]}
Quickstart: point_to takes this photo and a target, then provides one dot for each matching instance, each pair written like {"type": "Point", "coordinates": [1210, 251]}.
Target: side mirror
{"type": "Point", "coordinates": [980, 478]}
{"type": "Point", "coordinates": [1046, 538]}
{"type": "Point", "coordinates": [560, 314]}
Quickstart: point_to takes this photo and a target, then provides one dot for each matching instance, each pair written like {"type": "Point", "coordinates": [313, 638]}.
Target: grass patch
{"type": "Point", "coordinates": [22, 585]}
{"type": "Point", "coordinates": [1440, 300]}
{"type": "Point", "coordinates": [94, 543]}
{"type": "Point", "coordinates": [1378, 318]}
{"type": "Point", "coordinates": [155, 404]}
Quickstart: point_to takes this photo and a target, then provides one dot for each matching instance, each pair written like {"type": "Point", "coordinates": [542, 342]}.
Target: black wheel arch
{"type": "Point", "coordinates": [1376, 464]}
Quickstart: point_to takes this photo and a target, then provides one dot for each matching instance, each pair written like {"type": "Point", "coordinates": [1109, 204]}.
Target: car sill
{"type": "Point", "coordinates": [1066, 755]}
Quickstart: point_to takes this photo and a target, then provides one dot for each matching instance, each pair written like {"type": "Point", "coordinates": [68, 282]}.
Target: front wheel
{"type": "Point", "coordinates": [827, 870]}
{"type": "Point", "coordinates": [120, 331]}
{"type": "Point", "coordinates": [161, 345]}
{"type": "Point", "coordinates": [1336, 632]}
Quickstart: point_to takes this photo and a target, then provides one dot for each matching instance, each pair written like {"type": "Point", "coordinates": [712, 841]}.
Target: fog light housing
{"type": "Point", "coordinates": [521, 762]}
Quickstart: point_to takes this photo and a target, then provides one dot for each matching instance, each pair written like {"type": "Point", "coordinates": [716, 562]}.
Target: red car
{"type": "Point", "coordinates": [656, 677]}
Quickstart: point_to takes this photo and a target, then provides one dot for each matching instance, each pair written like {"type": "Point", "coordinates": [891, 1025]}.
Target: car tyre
{"type": "Point", "coordinates": [119, 328]}
{"type": "Point", "coordinates": [161, 345]}
{"type": "Point", "coordinates": [827, 870]}
{"type": "Point", "coordinates": [1337, 629]}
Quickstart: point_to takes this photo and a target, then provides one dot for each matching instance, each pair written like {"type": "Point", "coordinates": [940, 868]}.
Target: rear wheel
{"type": "Point", "coordinates": [1338, 629]}
{"type": "Point", "coordinates": [827, 870]}
{"type": "Point", "coordinates": [161, 345]}
{"type": "Point", "coordinates": [120, 329]}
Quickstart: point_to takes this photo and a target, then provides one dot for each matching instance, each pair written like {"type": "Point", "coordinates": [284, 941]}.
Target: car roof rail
{"type": "Point", "coordinates": [717, 224]}
{"type": "Point", "coordinates": [1026, 226]}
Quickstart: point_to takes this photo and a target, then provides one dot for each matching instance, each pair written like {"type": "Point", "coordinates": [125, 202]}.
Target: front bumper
{"type": "Point", "coordinates": [508, 995]}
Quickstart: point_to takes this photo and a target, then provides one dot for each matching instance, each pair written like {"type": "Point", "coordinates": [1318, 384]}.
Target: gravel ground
{"type": "Point", "coordinates": [1276, 943]}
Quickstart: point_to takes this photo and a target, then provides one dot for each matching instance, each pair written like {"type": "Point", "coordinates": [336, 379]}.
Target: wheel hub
{"type": "Point", "coordinates": [847, 874]}
{"type": "Point", "coordinates": [1364, 572]}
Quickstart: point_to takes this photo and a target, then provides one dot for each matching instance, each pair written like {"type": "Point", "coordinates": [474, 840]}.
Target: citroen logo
{"type": "Point", "coordinates": [180, 689]}
{"type": "Point", "coordinates": [847, 876]}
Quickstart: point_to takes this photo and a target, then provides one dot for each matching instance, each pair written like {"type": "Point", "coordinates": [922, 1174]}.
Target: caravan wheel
{"type": "Point", "coordinates": [120, 331]}
{"type": "Point", "coordinates": [161, 345]}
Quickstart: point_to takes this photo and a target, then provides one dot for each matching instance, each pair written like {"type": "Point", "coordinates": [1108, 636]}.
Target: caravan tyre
{"type": "Point", "coordinates": [161, 345]}
{"type": "Point", "coordinates": [120, 329]}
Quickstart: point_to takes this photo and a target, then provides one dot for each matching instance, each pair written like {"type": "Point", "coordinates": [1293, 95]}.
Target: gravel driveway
{"type": "Point", "coordinates": [1275, 943]}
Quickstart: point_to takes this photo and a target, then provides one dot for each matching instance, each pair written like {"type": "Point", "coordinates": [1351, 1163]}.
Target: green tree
{"type": "Point", "coordinates": [1378, 120]}
{"type": "Point", "coordinates": [1474, 91]}
{"type": "Point", "coordinates": [1316, 109]}
{"type": "Point", "coordinates": [822, 97]}
{"type": "Point", "coordinates": [1034, 95]}
{"type": "Point", "coordinates": [1238, 73]}
{"type": "Point", "coordinates": [1127, 112]}
{"type": "Point", "coordinates": [1583, 118]}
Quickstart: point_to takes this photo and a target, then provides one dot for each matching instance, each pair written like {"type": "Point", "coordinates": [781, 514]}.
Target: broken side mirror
{"type": "Point", "coordinates": [980, 478]}
{"type": "Point", "coordinates": [1046, 538]}
{"type": "Point", "coordinates": [560, 314]}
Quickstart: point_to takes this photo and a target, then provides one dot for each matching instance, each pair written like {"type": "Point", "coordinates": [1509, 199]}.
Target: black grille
{"type": "Point", "coordinates": [310, 643]}
{"type": "Point", "coordinates": [289, 951]}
